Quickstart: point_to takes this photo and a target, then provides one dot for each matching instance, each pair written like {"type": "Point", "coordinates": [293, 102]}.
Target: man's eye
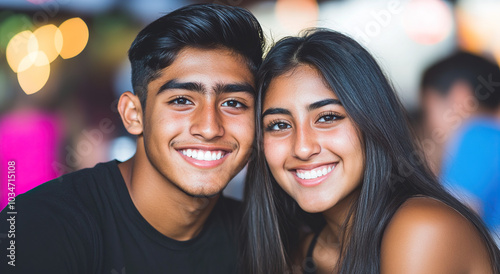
{"type": "Point", "coordinates": [181, 101]}
{"type": "Point", "coordinates": [233, 104]}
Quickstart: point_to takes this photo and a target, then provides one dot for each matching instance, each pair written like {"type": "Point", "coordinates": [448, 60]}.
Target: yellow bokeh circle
{"type": "Point", "coordinates": [35, 77]}
{"type": "Point", "coordinates": [50, 41]}
{"type": "Point", "coordinates": [20, 46]}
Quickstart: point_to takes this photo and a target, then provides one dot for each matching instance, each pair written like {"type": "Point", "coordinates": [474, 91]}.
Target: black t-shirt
{"type": "Point", "coordinates": [86, 222]}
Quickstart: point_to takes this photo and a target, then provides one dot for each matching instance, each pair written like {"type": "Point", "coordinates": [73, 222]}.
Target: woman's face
{"type": "Point", "coordinates": [311, 145]}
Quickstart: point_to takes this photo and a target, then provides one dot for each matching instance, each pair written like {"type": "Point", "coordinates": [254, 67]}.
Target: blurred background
{"type": "Point", "coordinates": [63, 65]}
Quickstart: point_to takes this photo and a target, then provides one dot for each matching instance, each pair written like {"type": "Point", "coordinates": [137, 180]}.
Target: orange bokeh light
{"type": "Point", "coordinates": [75, 34]}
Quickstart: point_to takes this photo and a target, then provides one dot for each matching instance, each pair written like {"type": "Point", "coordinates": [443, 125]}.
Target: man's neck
{"type": "Point", "coordinates": [169, 210]}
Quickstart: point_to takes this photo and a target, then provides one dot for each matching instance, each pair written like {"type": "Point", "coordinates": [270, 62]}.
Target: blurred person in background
{"type": "Point", "coordinates": [162, 211]}
{"type": "Point", "coordinates": [461, 97]}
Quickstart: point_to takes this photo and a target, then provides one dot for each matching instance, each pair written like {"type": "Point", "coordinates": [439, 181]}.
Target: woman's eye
{"type": "Point", "coordinates": [181, 101]}
{"type": "Point", "coordinates": [329, 118]}
{"type": "Point", "coordinates": [233, 104]}
{"type": "Point", "coordinates": [278, 126]}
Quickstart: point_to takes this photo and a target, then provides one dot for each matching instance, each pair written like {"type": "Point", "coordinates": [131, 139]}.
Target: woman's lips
{"type": "Point", "coordinates": [313, 176]}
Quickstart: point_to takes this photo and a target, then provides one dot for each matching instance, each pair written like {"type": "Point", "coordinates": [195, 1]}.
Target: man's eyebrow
{"type": "Point", "coordinates": [270, 111]}
{"type": "Point", "coordinates": [175, 84]}
{"type": "Point", "coordinates": [237, 87]}
{"type": "Point", "coordinates": [323, 103]}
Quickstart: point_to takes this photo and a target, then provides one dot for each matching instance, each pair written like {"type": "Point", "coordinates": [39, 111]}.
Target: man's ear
{"type": "Point", "coordinates": [130, 110]}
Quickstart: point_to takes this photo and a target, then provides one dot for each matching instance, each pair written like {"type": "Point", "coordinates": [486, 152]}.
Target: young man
{"type": "Point", "coordinates": [192, 111]}
{"type": "Point", "coordinates": [461, 97]}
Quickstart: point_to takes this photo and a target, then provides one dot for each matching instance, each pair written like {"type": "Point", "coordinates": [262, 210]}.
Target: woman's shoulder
{"type": "Point", "coordinates": [427, 236]}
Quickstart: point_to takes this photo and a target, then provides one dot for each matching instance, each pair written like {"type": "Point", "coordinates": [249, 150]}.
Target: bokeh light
{"type": "Point", "coordinates": [478, 27]}
{"type": "Point", "coordinates": [469, 39]}
{"type": "Point", "coordinates": [29, 54]}
{"type": "Point", "coordinates": [50, 41]}
{"type": "Point", "coordinates": [428, 21]}
{"type": "Point", "coordinates": [75, 35]}
{"type": "Point", "coordinates": [34, 78]}
{"type": "Point", "coordinates": [296, 15]}
{"type": "Point", "coordinates": [19, 47]}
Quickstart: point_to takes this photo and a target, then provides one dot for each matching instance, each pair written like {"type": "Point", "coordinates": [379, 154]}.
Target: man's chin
{"type": "Point", "coordinates": [201, 193]}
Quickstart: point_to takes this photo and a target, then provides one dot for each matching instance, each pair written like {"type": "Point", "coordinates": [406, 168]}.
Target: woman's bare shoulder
{"type": "Point", "coordinates": [427, 236]}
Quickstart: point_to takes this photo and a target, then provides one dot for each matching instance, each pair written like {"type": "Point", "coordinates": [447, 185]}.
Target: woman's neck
{"type": "Point", "coordinates": [336, 218]}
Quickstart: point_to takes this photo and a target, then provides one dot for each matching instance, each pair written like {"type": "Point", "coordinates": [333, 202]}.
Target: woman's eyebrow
{"type": "Point", "coordinates": [323, 103]}
{"type": "Point", "coordinates": [270, 111]}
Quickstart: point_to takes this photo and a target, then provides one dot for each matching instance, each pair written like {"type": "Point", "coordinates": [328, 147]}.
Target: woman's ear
{"type": "Point", "coordinates": [130, 110]}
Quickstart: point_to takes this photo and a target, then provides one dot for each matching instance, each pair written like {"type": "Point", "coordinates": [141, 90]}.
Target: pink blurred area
{"type": "Point", "coordinates": [31, 138]}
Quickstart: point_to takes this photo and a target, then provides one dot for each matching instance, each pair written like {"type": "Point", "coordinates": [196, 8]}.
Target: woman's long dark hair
{"type": "Point", "coordinates": [394, 169]}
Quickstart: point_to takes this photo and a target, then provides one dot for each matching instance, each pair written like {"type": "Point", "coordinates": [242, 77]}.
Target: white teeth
{"type": "Point", "coordinates": [307, 175]}
{"type": "Point", "coordinates": [203, 155]}
{"type": "Point", "coordinates": [208, 156]}
{"type": "Point", "coordinates": [200, 156]}
{"type": "Point", "coordinates": [313, 174]}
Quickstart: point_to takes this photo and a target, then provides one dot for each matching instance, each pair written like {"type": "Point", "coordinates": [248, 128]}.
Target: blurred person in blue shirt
{"type": "Point", "coordinates": [461, 97]}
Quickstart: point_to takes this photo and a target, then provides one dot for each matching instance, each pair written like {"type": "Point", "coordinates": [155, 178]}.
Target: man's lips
{"type": "Point", "coordinates": [204, 156]}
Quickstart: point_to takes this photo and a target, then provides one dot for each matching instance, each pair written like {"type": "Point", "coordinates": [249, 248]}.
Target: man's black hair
{"type": "Point", "coordinates": [480, 74]}
{"type": "Point", "coordinates": [207, 26]}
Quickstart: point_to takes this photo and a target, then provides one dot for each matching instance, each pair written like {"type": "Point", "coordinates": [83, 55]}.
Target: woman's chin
{"type": "Point", "coordinates": [314, 206]}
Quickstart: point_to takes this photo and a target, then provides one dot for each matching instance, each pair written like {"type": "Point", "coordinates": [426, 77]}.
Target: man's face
{"type": "Point", "coordinates": [199, 120]}
{"type": "Point", "coordinates": [435, 107]}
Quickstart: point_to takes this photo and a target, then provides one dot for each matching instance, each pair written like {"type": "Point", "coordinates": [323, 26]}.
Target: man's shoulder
{"type": "Point", "coordinates": [58, 219]}
{"type": "Point", "coordinates": [69, 183]}
{"type": "Point", "coordinates": [71, 195]}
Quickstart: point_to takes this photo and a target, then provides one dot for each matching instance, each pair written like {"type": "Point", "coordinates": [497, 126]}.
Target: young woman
{"type": "Point", "coordinates": [337, 183]}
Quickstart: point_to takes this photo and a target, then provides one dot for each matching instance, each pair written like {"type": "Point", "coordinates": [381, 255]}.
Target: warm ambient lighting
{"type": "Point", "coordinates": [75, 37]}
{"type": "Point", "coordinates": [29, 54]}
